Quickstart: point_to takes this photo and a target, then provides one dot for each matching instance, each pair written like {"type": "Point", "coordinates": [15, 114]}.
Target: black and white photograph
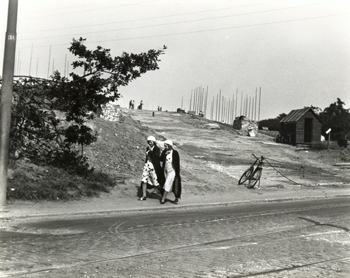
{"type": "Point", "coordinates": [175, 138]}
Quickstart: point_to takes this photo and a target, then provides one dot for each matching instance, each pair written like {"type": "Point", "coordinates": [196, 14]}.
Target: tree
{"type": "Point", "coordinates": [337, 118]}
{"type": "Point", "coordinates": [35, 128]}
{"type": "Point", "coordinates": [272, 124]}
{"type": "Point", "coordinates": [316, 110]}
{"type": "Point", "coordinates": [37, 131]}
{"type": "Point", "coordinates": [101, 78]}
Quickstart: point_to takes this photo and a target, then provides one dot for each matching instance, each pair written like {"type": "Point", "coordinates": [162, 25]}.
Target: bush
{"type": "Point", "coordinates": [345, 155]}
{"type": "Point", "coordinates": [72, 162]}
{"type": "Point", "coordinates": [56, 184]}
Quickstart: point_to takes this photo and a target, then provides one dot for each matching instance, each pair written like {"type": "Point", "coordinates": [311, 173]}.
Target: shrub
{"type": "Point", "coordinates": [72, 162]}
{"type": "Point", "coordinates": [56, 184]}
{"type": "Point", "coordinates": [345, 155]}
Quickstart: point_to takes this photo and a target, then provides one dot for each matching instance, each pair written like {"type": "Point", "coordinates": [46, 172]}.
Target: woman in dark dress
{"type": "Point", "coordinates": [152, 174]}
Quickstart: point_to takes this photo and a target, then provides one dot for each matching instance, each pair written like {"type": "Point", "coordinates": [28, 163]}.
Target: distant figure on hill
{"type": "Point", "coordinates": [170, 161]}
{"type": "Point", "coordinates": [140, 106]}
{"type": "Point", "coordinates": [131, 104]}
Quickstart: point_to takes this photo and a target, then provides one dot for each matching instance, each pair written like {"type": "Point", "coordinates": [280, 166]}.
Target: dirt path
{"type": "Point", "coordinates": [213, 160]}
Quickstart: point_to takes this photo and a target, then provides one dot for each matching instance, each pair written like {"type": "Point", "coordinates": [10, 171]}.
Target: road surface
{"type": "Point", "coordinates": [289, 239]}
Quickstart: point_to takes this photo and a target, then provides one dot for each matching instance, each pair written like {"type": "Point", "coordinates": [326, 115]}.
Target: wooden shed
{"type": "Point", "coordinates": [301, 127]}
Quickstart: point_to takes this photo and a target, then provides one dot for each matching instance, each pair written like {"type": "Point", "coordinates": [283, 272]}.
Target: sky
{"type": "Point", "coordinates": [280, 54]}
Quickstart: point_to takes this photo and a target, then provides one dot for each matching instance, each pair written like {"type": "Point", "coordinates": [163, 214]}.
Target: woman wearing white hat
{"type": "Point", "coordinates": [170, 160]}
{"type": "Point", "coordinates": [152, 173]}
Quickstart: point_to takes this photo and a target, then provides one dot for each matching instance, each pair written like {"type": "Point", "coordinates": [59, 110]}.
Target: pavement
{"type": "Point", "coordinates": [114, 203]}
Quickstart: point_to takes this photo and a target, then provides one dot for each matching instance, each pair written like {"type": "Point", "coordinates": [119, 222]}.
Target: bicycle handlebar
{"type": "Point", "coordinates": [262, 157]}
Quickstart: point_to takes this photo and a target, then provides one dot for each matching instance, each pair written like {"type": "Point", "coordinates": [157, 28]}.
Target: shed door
{"type": "Point", "coordinates": [308, 130]}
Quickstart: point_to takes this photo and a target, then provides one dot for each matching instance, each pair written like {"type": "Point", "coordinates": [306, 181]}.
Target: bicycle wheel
{"type": "Point", "coordinates": [245, 175]}
{"type": "Point", "coordinates": [254, 178]}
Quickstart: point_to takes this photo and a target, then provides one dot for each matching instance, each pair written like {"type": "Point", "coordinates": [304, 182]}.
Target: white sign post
{"type": "Point", "coordinates": [329, 136]}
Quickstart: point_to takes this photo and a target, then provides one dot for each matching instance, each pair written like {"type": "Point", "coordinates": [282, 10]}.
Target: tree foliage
{"type": "Point", "coordinates": [337, 118]}
{"type": "Point", "coordinates": [36, 130]}
{"type": "Point", "coordinates": [34, 127]}
{"type": "Point", "coordinates": [101, 78]}
{"type": "Point", "coordinates": [273, 123]}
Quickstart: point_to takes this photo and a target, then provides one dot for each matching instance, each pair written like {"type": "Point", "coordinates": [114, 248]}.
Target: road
{"type": "Point", "coordinates": [289, 239]}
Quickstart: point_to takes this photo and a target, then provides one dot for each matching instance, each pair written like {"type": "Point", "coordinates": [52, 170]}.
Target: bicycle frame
{"type": "Point", "coordinates": [253, 173]}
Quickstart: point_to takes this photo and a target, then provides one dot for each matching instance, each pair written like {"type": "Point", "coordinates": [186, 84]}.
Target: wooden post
{"type": "Point", "coordinates": [198, 99]}
{"type": "Point", "coordinates": [228, 109]}
{"type": "Point", "coordinates": [48, 66]}
{"type": "Point", "coordinates": [223, 118]}
{"type": "Point", "coordinates": [241, 103]}
{"type": "Point", "coordinates": [212, 109]}
{"type": "Point", "coordinates": [191, 102]}
{"type": "Point", "coordinates": [328, 132]}
{"type": "Point", "coordinates": [233, 108]}
{"type": "Point", "coordinates": [219, 118]}
{"type": "Point", "coordinates": [65, 62]}
{"type": "Point", "coordinates": [194, 101]}
{"type": "Point", "coordinates": [203, 99]}
{"type": "Point", "coordinates": [222, 108]}
{"type": "Point", "coordinates": [30, 61]}
{"type": "Point", "coordinates": [256, 99]}
{"type": "Point", "coordinates": [236, 103]}
{"type": "Point", "coordinates": [37, 65]}
{"type": "Point", "coordinates": [243, 100]}
{"type": "Point", "coordinates": [244, 105]}
{"type": "Point", "coordinates": [249, 107]}
{"type": "Point", "coordinates": [206, 103]}
{"type": "Point", "coordinates": [216, 110]}
{"type": "Point", "coordinates": [259, 104]}
{"type": "Point", "coordinates": [6, 96]}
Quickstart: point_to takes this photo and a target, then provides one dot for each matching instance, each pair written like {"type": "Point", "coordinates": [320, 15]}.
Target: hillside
{"type": "Point", "coordinates": [215, 159]}
{"type": "Point", "coordinates": [212, 160]}
{"type": "Point", "coordinates": [119, 151]}
{"type": "Point", "coordinates": [116, 156]}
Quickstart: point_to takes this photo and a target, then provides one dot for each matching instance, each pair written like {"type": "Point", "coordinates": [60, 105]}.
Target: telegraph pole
{"type": "Point", "coordinates": [6, 95]}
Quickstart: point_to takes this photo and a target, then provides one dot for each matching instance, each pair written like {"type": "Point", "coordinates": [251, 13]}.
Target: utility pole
{"type": "Point", "coordinates": [6, 96]}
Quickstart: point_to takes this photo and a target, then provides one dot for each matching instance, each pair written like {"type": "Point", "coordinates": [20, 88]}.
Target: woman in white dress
{"type": "Point", "coordinates": [170, 161]}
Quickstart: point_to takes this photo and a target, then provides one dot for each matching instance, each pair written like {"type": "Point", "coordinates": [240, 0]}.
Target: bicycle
{"type": "Point", "coordinates": [253, 173]}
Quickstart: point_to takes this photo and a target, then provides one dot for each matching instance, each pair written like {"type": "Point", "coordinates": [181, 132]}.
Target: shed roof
{"type": "Point", "coordinates": [295, 115]}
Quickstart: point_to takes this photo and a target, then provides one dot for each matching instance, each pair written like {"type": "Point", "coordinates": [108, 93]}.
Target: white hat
{"type": "Point", "coordinates": [168, 142]}
{"type": "Point", "coordinates": [151, 138]}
